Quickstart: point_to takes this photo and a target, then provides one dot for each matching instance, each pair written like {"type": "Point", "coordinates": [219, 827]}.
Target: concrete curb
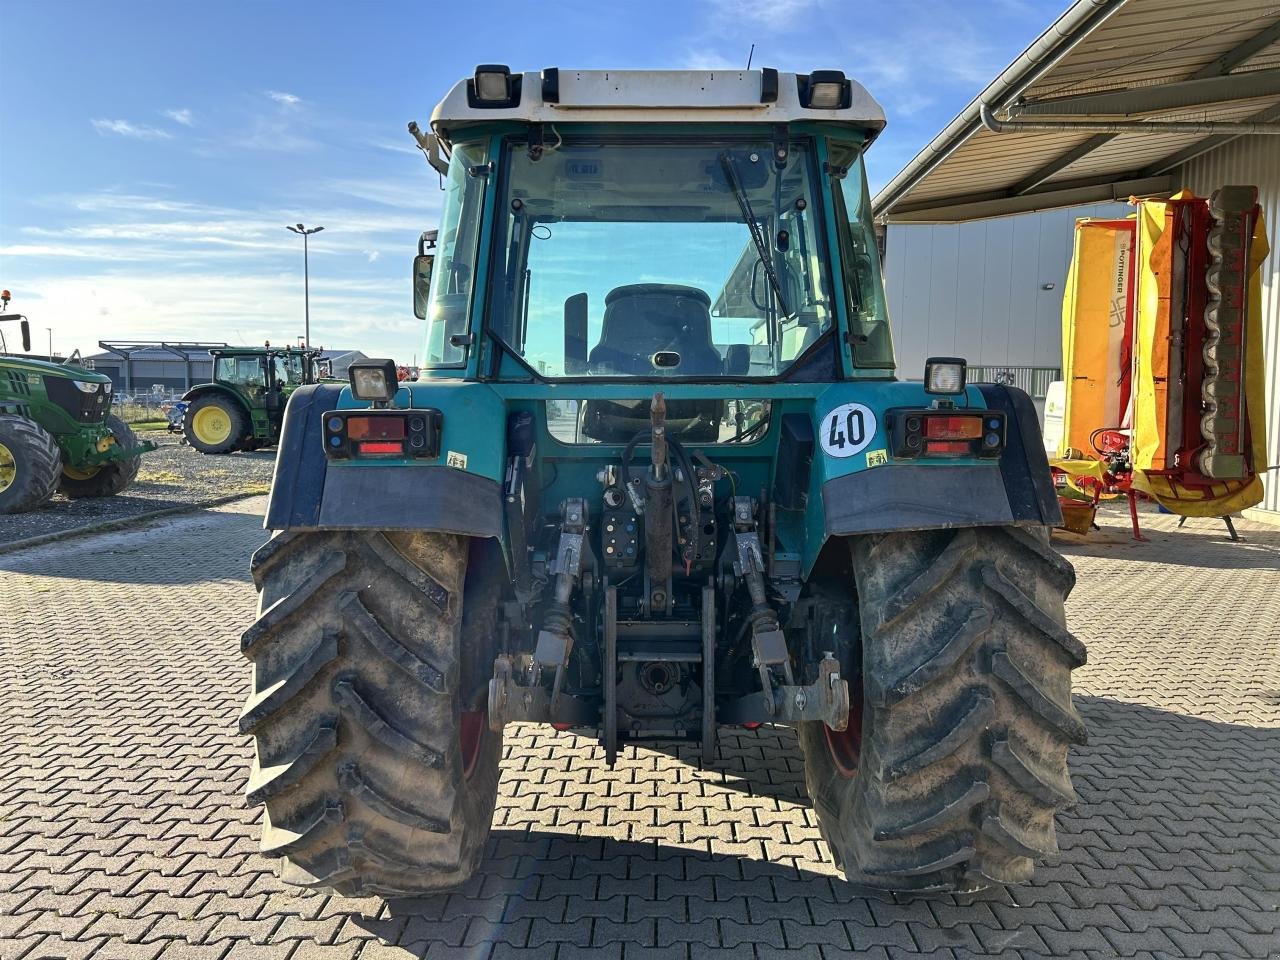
{"type": "Point", "coordinates": [108, 526]}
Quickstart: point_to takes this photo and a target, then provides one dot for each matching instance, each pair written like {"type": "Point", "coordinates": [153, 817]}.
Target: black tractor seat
{"type": "Point", "coordinates": [642, 320]}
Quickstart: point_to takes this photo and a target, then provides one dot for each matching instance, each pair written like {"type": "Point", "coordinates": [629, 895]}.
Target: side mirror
{"type": "Point", "coordinates": [422, 265]}
{"type": "Point", "coordinates": [26, 336]}
{"type": "Point", "coordinates": [575, 334]}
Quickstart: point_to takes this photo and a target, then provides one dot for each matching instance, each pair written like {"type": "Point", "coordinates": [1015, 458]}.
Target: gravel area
{"type": "Point", "coordinates": [172, 476]}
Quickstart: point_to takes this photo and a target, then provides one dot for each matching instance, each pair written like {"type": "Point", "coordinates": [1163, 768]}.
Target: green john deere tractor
{"type": "Point", "coordinates": [658, 478]}
{"type": "Point", "coordinates": [57, 431]}
{"type": "Point", "coordinates": [242, 408]}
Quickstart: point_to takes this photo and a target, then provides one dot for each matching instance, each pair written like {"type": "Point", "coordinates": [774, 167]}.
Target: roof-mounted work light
{"type": "Point", "coordinates": [493, 86]}
{"type": "Point", "coordinates": [944, 375]}
{"type": "Point", "coordinates": [825, 90]}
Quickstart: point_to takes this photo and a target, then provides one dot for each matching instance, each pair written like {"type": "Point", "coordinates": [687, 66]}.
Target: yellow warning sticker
{"type": "Point", "coordinates": [876, 458]}
{"type": "Point", "coordinates": [456, 460]}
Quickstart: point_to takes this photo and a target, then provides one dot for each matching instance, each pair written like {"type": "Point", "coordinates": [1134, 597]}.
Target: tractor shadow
{"type": "Point", "coordinates": [1181, 807]}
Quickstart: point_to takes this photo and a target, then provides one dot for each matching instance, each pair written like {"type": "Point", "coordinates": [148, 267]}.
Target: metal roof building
{"type": "Point", "coordinates": [143, 366]}
{"type": "Point", "coordinates": [1116, 98]}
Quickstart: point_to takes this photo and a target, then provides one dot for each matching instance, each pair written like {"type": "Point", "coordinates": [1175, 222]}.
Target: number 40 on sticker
{"type": "Point", "coordinates": [847, 430]}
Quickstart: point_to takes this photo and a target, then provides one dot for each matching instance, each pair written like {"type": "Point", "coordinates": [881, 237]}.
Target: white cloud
{"type": "Point", "coordinates": [373, 255]}
{"type": "Point", "coordinates": [371, 316]}
{"type": "Point", "coordinates": [182, 116]}
{"type": "Point", "coordinates": [776, 15]}
{"type": "Point", "coordinates": [283, 98]}
{"type": "Point", "coordinates": [124, 128]}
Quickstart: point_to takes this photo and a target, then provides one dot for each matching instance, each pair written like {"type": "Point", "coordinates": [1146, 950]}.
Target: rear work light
{"type": "Point", "coordinates": [352, 434]}
{"type": "Point", "coordinates": [945, 433]}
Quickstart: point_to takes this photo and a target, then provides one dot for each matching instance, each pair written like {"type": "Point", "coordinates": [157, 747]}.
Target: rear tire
{"type": "Point", "coordinates": [967, 713]}
{"type": "Point", "coordinates": [376, 776]}
{"type": "Point", "coordinates": [30, 463]}
{"type": "Point", "coordinates": [109, 479]}
{"type": "Point", "coordinates": [215, 424]}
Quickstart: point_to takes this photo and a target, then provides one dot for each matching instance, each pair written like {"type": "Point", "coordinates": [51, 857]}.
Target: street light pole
{"type": "Point", "coordinates": [305, 233]}
{"type": "Point", "coordinates": [50, 332]}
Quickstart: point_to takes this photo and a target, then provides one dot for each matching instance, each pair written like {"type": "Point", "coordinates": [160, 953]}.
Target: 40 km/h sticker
{"type": "Point", "coordinates": [847, 430]}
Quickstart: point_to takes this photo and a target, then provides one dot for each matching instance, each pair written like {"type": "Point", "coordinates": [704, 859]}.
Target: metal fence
{"type": "Point", "coordinates": [1034, 380]}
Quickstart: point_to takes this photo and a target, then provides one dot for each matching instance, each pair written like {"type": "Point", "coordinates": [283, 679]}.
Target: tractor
{"type": "Point", "coordinates": [657, 478]}
{"type": "Point", "coordinates": [57, 431]}
{"type": "Point", "coordinates": [242, 408]}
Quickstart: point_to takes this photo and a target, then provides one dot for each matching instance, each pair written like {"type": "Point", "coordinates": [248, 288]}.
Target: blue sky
{"type": "Point", "coordinates": [151, 152]}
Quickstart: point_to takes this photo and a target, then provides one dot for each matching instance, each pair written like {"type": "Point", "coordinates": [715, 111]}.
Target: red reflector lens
{"type": "Point", "coordinates": [953, 428]}
{"type": "Point", "coordinates": [375, 428]}
{"type": "Point", "coordinates": [562, 726]}
{"type": "Point", "coordinates": [947, 448]}
{"type": "Point", "coordinates": [378, 447]}
{"type": "Point", "coordinates": [752, 725]}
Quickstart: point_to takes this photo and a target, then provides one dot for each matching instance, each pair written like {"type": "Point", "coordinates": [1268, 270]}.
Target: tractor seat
{"type": "Point", "coordinates": [642, 319]}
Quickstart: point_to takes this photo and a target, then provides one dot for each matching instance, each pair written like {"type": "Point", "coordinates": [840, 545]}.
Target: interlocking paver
{"type": "Point", "coordinates": [125, 832]}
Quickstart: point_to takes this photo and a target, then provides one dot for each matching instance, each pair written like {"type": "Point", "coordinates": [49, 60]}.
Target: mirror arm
{"type": "Point", "coordinates": [429, 144]}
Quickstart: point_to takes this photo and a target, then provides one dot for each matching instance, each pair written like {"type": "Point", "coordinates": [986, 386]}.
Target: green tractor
{"type": "Point", "coordinates": [657, 479]}
{"type": "Point", "coordinates": [243, 407]}
{"type": "Point", "coordinates": [57, 431]}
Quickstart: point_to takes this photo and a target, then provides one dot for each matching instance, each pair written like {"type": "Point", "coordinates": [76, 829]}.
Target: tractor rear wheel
{"type": "Point", "coordinates": [108, 479]}
{"type": "Point", "coordinates": [953, 776]}
{"type": "Point", "coordinates": [215, 424]}
{"type": "Point", "coordinates": [378, 773]}
{"type": "Point", "coordinates": [30, 462]}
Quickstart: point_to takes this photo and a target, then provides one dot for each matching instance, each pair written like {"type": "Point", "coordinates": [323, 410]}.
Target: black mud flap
{"type": "Point", "coordinates": [910, 496]}
{"type": "Point", "coordinates": [307, 495]}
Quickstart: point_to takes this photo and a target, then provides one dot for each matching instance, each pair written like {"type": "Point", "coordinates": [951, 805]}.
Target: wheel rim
{"type": "Point", "coordinates": [211, 425]}
{"type": "Point", "coordinates": [470, 736]}
{"type": "Point", "coordinates": [8, 468]}
{"type": "Point", "coordinates": [87, 474]}
{"type": "Point", "coordinates": [845, 746]}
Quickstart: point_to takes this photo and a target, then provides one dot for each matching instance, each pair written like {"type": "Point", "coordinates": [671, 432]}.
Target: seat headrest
{"type": "Point", "coordinates": [656, 290]}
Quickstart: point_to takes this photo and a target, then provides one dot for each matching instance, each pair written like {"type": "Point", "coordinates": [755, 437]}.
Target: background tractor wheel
{"type": "Point", "coordinates": [214, 424]}
{"type": "Point", "coordinates": [30, 462]}
{"type": "Point", "coordinates": [377, 776]}
{"type": "Point", "coordinates": [109, 479]}
{"type": "Point", "coordinates": [960, 761]}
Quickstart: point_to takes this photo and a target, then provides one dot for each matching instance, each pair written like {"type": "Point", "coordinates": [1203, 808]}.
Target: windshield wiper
{"type": "Point", "coordinates": [762, 246]}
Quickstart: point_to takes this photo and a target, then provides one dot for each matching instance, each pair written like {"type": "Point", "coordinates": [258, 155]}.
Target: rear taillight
{"type": "Point", "coordinates": [379, 448]}
{"type": "Point", "coordinates": [382, 433]}
{"type": "Point", "coordinates": [952, 428]}
{"type": "Point", "coordinates": [945, 433]}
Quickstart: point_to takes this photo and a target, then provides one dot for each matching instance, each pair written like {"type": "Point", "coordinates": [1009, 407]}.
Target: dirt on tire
{"type": "Point", "coordinates": [967, 714]}
{"type": "Point", "coordinates": [376, 777]}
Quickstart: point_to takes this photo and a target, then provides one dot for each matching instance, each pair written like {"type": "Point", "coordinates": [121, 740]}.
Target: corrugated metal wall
{"type": "Point", "coordinates": [977, 290]}
{"type": "Point", "coordinates": [1255, 160]}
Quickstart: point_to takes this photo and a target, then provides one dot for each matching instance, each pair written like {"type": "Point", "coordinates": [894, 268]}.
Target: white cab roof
{"type": "Point", "coordinates": [656, 96]}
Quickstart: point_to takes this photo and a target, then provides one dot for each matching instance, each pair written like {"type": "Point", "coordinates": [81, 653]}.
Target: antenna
{"type": "Point", "coordinates": [751, 54]}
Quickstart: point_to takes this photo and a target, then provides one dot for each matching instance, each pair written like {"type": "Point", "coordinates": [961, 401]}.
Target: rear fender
{"type": "Point", "coordinates": [308, 493]}
{"type": "Point", "coordinates": [913, 496]}
{"type": "Point", "coordinates": [208, 389]}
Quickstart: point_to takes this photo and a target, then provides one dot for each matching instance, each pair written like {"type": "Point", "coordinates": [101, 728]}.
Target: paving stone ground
{"type": "Point", "coordinates": [123, 833]}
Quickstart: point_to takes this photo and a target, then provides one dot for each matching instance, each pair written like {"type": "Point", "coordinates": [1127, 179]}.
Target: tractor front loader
{"type": "Point", "coordinates": [657, 478]}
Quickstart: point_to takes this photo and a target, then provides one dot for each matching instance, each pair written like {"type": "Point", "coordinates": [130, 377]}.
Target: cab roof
{"type": "Point", "coordinates": [556, 96]}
